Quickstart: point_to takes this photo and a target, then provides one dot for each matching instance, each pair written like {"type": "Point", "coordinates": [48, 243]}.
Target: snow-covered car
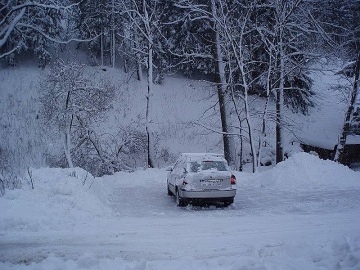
{"type": "Point", "coordinates": [201, 178]}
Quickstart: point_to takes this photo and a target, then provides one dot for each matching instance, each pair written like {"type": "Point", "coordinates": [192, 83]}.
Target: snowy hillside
{"type": "Point", "coordinates": [303, 214]}
{"type": "Point", "coordinates": [184, 115]}
{"type": "Point", "coordinates": [179, 106]}
{"type": "Point", "coordinates": [323, 126]}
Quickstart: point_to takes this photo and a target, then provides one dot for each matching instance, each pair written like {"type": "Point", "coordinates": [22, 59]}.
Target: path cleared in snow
{"type": "Point", "coordinates": [302, 214]}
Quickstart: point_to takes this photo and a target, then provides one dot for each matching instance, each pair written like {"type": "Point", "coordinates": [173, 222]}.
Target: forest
{"type": "Point", "coordinates": [245, 49]}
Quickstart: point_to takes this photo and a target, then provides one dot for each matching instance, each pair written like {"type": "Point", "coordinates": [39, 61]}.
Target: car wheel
{"type": "Point", "coordinates": [180, 201]}
{"type": "Point", "coordinates": [227, 203]}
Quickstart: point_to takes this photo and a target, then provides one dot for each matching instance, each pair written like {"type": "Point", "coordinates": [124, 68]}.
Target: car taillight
{"type": "Point", "coordinates": [233, 180]}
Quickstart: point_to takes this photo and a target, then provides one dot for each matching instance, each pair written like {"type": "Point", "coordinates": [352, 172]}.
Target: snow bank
{"type": "Point", "coordinates": [338, 254]}
{"type": "Point", "coordinates": [60, 197]}
{"type": "Point", "coordinates": [304, 171]}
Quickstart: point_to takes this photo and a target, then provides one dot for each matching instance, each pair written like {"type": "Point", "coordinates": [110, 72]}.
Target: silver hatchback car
{"type": "Point", "coordinates": [201, 178]}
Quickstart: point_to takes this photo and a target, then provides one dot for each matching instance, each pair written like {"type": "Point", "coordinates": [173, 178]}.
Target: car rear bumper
{"type": "Point", "coordinates": [208, 194]}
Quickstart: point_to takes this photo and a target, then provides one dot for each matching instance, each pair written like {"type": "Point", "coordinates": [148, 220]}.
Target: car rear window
{"type": "Point", "coordinates": [197, 166]}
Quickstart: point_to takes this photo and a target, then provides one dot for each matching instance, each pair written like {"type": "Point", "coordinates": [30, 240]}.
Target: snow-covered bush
{"type": "Point", "coordinates": [70, 104]}
{"type": "Point", "coordinates": [9, 181]}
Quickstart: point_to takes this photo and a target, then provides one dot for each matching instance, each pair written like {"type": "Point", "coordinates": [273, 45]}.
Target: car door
{"type": "Point", "coordinates": [173, 176]}
{"type": "Point", "coordinates": [180, 173]}
{"type": "Point", "coordinates": [177, 173]}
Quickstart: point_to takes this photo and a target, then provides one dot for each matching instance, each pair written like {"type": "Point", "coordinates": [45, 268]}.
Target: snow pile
{"type": "Point", "coordinates": [304, 171]}
{"type": "Point", "coordinates": [60, 197]}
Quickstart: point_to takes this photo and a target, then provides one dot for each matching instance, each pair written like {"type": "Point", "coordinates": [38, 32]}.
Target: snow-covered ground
{"type": "Point", "coordinates": [302, 214]}
{"type": "Point", "coordinates": [323, 125]}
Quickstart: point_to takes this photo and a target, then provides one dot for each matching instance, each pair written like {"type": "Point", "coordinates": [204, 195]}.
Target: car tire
{"type": "Point", "coordinates": [227, 203]}
{"type": "Point", "coordinates": [180, 201]}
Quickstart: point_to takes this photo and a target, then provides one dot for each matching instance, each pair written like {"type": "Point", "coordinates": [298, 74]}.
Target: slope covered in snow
{"type": "Point", "coordinates": [323, 125]}
{"type": "Point", "coordinates": [302, 214]}
{"type": "Point", "coordinates": [184, 116]}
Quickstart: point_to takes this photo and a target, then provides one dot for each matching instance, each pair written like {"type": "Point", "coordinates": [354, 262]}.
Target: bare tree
{"type": "Point", "coordinates": [221, 81]}
{"type": "Point", "coordinates": [235, 41]}
{"type": "Point", "coordinates": [262, 50]}
{"type": "Point", "coordinates": [209, 12]}
{"type": "Point", "coordinates": [285, 41]}
{"type": "Point", "coordinates": [144, 18]}
{"type": "Point", "coordinates": [71, 103]}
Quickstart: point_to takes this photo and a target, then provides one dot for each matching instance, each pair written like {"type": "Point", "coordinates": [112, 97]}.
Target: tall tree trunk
{"type": "Point", "coordinates": [150, 143]}
{"type": "Point", "coordinates": [67, 143]}
{"type": "Point", "coordinates": [262, 137]}
{"type": "Point", "coordinates": [67, 132]}
{"type": "Point", "coordinates": [113, 48]}
{"type": "Point", "coordinates": [250, 129]}
{"type": "Point", "coordinates": [241, 152]}
{"type": "Point", "coordinates": [102, 48]}
{"type": "Point", "coordinates": [139, 72]}
{"type": "Point", "coordinates": [150, 69]}
{"type": "Point", "coordinates": [136, 44]}
{"type": "Point", "coordinates": [224, 104]}
{"type": "Point", "coordinates": [113, 35]}
{"type": "Point", "coordinates": [67, 149]}
{"type": "Point", "coordinates": [128, 44]}
{"type": "Point", "coordinates": [280, 105]}
{"type": "Point", "coordinates": [126, 65]}
{"type": "Point", "coordinates": [340, 156]}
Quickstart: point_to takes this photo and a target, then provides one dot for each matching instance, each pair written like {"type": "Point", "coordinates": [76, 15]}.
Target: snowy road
{"type": "Point", "coordinates": [199, 236]}
{"type": "Point", "coordinates": [266, 228]}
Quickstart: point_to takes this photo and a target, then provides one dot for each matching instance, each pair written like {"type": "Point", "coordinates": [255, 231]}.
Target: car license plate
{"type": "Point", "coordinates": [211, 182]}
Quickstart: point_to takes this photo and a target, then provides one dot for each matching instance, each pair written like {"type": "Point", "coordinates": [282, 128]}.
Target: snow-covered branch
{"type": "Point", "coordinates": [29, 26]}
{"type": "Point", "coordinates": [6, 31]}
{"type": "Point", "coordinates": [19, 20]}
{"type": "Point", "coordinates": [217, 131]}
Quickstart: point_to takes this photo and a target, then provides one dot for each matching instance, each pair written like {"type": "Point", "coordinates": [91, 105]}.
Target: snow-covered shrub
{"type": "Point", "coordinates": [165, 157]}
{"type": "Point", "coordinates": [22, 143]}
{"type": "Point", "coordinates": [71, 103]}
{"type": "Point", "coordinates": [9, 181]}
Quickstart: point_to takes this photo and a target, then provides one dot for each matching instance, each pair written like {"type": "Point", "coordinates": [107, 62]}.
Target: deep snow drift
{"type": "Point", "coordinates": [302, 214]}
